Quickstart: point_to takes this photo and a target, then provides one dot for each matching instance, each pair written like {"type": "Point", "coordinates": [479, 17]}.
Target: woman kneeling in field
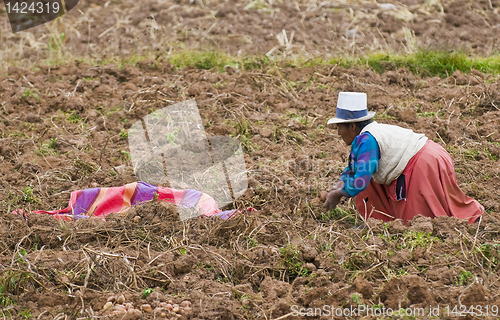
{"type": "Point", "coordinates": [394, 173]}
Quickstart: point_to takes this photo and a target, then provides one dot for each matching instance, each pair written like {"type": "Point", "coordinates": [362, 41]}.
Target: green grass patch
{"type": "Point", "coordinates": [489, 155]}
{"type": "Point", "coordinates": [464, 278]}
{"type": "Point", "coordinates": [123, 134]}
{"type": "Point", "coordinates": [203, 60]}
{"type": "Point", "coordinates": [338, 214]}
{"type": "Point", "coordinates": [218, 60]}
{"type": "Point", "coordinates": [85, 168]}
{"type": "Point", "coordinates": [244, 133]}
{"type": "Point", "coordinates": [471, 153]}
{"type": "Point", "coordinates": [12, 283]}
{"type": "Point", "coordinates": [422, 62]}
{"type": "Point", "coordinates": [252, 242]}
{"type": "Point", "coordinates": [25, 314]}
{"type": "Point", "coordinates": [29, 197]}
{"type": "Point", "coordinates": [47, 148]}
{"type": "Point", "coordinates": [14, 134]}
{"type": "Point", "coordinates": [286, 136]}
{"type": "Point", "coordinates": [414, 239]}
{"type": "Point", "coordinates": [146, 292]}
{"type": "Point", "coordinates": [490, 254]}
{"type": "Point", "coordinates": [358, 261]}
{"type": "Point", "coordinates": [425, 63]}
{"type": "Point", "coordinates": [28, 93]}
{"type": "Point", "coordinates": [74, 118]}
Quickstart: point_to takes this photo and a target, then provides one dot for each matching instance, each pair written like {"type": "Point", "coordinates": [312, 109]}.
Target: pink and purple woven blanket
{"type": "Point", "coordinates": [99, 202]}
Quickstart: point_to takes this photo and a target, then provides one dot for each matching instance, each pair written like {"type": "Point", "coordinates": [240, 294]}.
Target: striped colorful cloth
{"type": "Point", "coordinates": [357, 175]}
{"type": "Point", "coordinates": [99, 202]}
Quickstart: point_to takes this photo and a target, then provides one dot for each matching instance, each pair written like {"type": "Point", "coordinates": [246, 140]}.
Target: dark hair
{"type": "Point", "coordinates": [360, 125]}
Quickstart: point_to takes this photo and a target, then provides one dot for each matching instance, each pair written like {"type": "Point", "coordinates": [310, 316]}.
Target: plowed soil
{"type": "Point", "coordinates": [63, 128]}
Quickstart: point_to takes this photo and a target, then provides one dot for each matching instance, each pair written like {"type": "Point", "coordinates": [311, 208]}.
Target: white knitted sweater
{"type": "Point", "coordinates": [397, 146]}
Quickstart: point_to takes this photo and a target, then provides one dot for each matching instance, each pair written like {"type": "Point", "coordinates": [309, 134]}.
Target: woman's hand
{"type": "Point", "coordinates": [333, 199]}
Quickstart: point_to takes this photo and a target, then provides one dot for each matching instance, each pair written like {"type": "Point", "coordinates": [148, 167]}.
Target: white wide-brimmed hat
{"type": "Point", "coordinates": [351, 107]}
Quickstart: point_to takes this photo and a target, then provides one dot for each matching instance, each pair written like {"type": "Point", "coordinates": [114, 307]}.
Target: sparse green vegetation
{"type": "Point", "coordinates": [14, 134]}
{"type": "Point", "coordinates": [259, 5]}
{"type": "Point", "coordinates": [302, 119]}
{"type": "Point", "coordinates": [5, 299]}
{"type": "Point", "coordinates": [339, 214]}
{"type": "Point", "coordinates": [383, 116]}
{"type": "Point", "coordinates": [402, 272]}
{"type": "Point", "coordinates": [423, 62]}
{"type": "Point", "coordinates": [219, 85]}
{"type": "Point", "coordinates": [55, 42]}
{"type": "Point", "coordinates": [252, 242]}
{"type": "Point", "coordinates": [25, 314]}
{"type": "Point", "coordinates": [73, 118]}
{"type": "Point", "coordinates": [489, 155]}
{"type": "Point", "coordinates": [85, 168]}
{"type": "Point", "coordinates": [146, 292]}
{"type": "Point", "coordinates": [429, 114]}
{"type": "Point", "coordinates": [12, 283]}
{"type": "Point", "coordinates": [464, 278]}
{"type": "Point", "coordinates": [123, 134]}
{"type": "Point", "coordinates": [356, 299]}
{"type": "Point", "coordinates": [413, 239]}
{"type": "Point", "coordinates": [47, 148]}
{"type": "Point", "coordinates": [115, 109]}
{"type": "Point", "coordinates": [124, 155]}
{"type": "Point", "coordinates": [203, 60]}
{"type": "Point", "coordinates": [426, 62]}
{"type": "Point", "coordinates": [358, 261]}
{"type": "Point", "coordinates": [471, 153]}
{"type": "Point", "coordinates": [171, 136]}
{"type": "Point", "coordinates": [208, 267]}
{"type": "Point", "coordinates": [293, 265]}
{"type": "Point", "coordinates": [29, 197]}
{"type": "Point", "coordinates": [285, 136]}
{"type": "Point", "coordinates": [28, 93]}
{"type": "Point", "coordinates": [52, 143]}
{"type": "Point", "coordinates": [244, 133]}
{"type": "Point", "coordinates": [490, 254]}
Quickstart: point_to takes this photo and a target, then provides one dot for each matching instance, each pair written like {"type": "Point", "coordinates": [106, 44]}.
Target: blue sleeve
{"type": "Point", "coordinates": [345, 174]}
{"type": "Point", "coordinates": [365, 154]}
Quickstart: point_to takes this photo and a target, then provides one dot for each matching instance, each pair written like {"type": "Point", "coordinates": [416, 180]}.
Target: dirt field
{"type": "Point", "coordinates": [64, 128]}
{"type": "Point", "coordinates": [102, 30]}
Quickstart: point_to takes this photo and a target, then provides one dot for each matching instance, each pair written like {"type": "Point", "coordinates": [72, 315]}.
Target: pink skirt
{"type": "Point", "coordinates": [431, 191]}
